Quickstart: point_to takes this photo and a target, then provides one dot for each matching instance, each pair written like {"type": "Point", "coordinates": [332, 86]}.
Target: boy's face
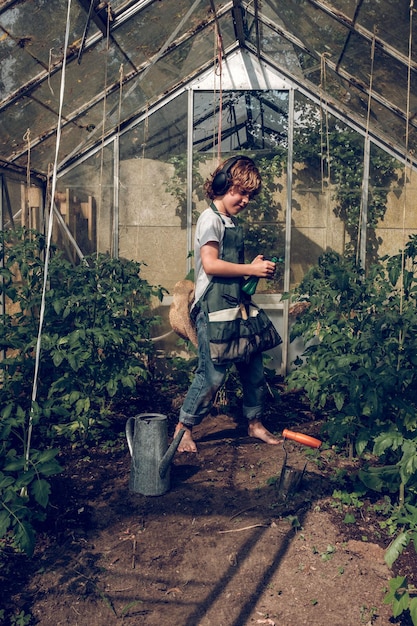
{"type": "Point", "coordinates": [235, 200]}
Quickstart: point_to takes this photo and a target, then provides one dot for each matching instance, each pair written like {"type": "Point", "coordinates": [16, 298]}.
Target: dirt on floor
{"type": "Point", "coordinates": [223, 547]}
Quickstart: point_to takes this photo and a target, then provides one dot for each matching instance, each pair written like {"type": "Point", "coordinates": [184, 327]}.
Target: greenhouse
{"type": "Point", "coordinates": [113, 115]}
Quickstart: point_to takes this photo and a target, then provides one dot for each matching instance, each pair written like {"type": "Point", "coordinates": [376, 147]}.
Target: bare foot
{"type": "Point", "coordinates": [187, 443]}
{"type": "Point", "coordinates": [258, 430]}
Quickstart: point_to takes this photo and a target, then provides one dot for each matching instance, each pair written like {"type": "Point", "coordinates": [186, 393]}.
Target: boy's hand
{"type": "Point", "coordinates": [263, 267]}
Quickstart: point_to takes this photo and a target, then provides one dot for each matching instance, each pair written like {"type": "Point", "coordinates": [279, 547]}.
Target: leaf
{"type": "Point", "coordinates": [25, 537]}
{"type": "Point", "coordinates": [57, 358]}
{"type": "Point", "coordinates": [361, 442]}
{"type": "Point", "coordinates": [396, 548]}
{"type": "Point", "coordinates": [372, 480]}
{"type": "Point", "coordinates": [15, 465]}
{"type": "Point", "coordinates": [413, 611]}
{"type": "Point", "coordinates": [387, 440]}
{"type": "Point", "coordinates": [399, 582]}
{"type": "Point", "coordinates": [111, 387]}
{"type": "Point", "coordinates": [7, 411]}
{"type": "Point", "coordinates": [25, 478]}
{"type": "Point", "coordinates": [4, 522]}
{"type": "Point", "coordinates": [51, 468]}
{"type": "Point", "coordinates": [349, 518]}
{"type": "Point", "coordinates": [401, 605]}
{"type": "Point", "coordinates": [5, 481]}
{"type": "Point", "coordinates": [339, 400]}
{"type": "Point", "coordinates": [41, 490]}
{"type": "Point", "coordinates": [394, 273]}
{"type": "Point", "coordinates": [73, 397]}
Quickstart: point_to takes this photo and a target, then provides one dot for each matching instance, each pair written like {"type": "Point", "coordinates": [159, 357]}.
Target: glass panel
{"type": "Point", "coordinates": [15, 121]}
{"type": "Point", "coordinates": [391, 211]}
{"type": "Point", "coordinates": [136, 95]}
{"type": "Point", "coordinates": [175, 68]}
{"type": "Point", "coordinates": [152, 28]}
{"type": "Point", "coordinates": [327, 184]}
{"type": "Point", "coordinates": [348, 95]}
{"type": "Point", "coordinates": [33, 37]}
{"type": "Point", "coordinates": [318, 31]}
{"type": "Point", "coordinates": [392, 19]}
{"type": "Point", "coordinates": [84, 198]}
{"type": "Point", "coordinates": [346, 7]}
{"type": "Point", "coordinates": [22, 204]}
{"type": "Point", "coordinates": [152, 218]}
{"type": "Point", "coordinates": [253, 123]}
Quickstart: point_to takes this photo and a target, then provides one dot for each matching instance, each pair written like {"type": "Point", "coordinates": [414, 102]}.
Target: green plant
{"type": "Point", "coordinates": [404, 518]}
{"type": "Point", "coordinates": [328, 553]}
{"type": "Point", "coordinates": [368, 614]}
{"type": "Point", "coordinates": [177, 185]}
{"type": "Point", "coordinates": [24, 493]}
{"type": "Point", "coordinates": [21, 619]}
{"type": "Point", "coordinates": [262, 229]}
{"type": "Point", "coordinates": [96, 333]}
{"type": "Point", "coordinates": [402, 597]}
{"type": "Point", "coordinates": [361, 357]}
{"type": "Point", "coordinates": [95, 343]}
{"type": "Point", "coordinates": [360, 365]}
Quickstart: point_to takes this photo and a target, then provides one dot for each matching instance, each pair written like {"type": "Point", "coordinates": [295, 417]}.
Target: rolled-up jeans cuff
{"type": "Point", "coordinates": [188, 420]}
{"type": "Point", "coordinates": [252, 412]}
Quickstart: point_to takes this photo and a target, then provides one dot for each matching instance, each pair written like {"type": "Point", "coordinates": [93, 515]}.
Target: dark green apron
{"type": "Point", "coordinates": [236, 327]}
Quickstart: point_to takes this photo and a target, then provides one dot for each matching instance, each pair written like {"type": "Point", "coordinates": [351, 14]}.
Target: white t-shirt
{"type": "Point", "coordinates": [210, 227]}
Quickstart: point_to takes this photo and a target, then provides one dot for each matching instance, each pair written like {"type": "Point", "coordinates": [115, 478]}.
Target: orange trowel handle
{"type": "Point", "coordinates": [306, 440]}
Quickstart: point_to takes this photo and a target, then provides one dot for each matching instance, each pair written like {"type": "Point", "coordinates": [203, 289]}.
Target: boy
{"type": "Point", "coordinates": [218, 253]}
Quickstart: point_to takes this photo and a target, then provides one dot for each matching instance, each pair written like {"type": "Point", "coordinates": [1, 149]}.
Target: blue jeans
{"type": "Point", "coordinates": [209, 378]}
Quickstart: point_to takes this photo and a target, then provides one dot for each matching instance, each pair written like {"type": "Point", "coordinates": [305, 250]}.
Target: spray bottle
{"type": "Point", "coordinates": [251, 283]}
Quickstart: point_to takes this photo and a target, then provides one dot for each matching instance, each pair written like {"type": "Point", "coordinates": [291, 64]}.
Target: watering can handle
{"type": "Point", "coordinates": [166, 460]}
{"type": "Point", "coordinates": [129, 434]}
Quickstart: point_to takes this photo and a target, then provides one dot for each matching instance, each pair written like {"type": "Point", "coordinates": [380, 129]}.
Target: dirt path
{"type": "Point", "coordinates": [221, 548]}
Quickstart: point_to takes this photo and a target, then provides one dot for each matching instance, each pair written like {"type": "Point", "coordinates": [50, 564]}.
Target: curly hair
{"type": "Point", "coordinates": [244, 177]}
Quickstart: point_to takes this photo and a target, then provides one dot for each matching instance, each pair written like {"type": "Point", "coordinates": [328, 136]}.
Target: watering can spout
{"type": "Point", "coordinates": [168, 456]}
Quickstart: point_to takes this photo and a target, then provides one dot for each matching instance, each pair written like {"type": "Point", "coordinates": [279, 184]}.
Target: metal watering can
{"type": "Point", "coordinates": [147, 439]}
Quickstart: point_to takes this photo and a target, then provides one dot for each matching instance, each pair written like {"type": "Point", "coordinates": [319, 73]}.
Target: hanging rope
{"type": "Point", "coordinates": [365, 176]}
{"type": "Point", "coordinates": [325, 154]}
{"type": "Point", "coordinates": [144, 144]}
{"type": "Point", "coordinates": [26, 137]}
{"type": "Point", "coordinates": [407, 162]}
{"type": "Point", "coordinates": [103, 135]}
{"type": "Point", "coordinates": [121, 75]}
{"type": "Point", "coordinates": [49, 71]}
{"type": "Point", "coordinates": [214, 87]}
{"type": "Point", "coordinates": [48, 244]}
{"type": "Point", "coordinates": [219, 72]}
{"type": "Point", "coordinates": [324, 144]}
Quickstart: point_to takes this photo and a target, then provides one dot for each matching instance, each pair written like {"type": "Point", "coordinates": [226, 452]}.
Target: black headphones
{"type": "Point", "coordinates": [223, 180]}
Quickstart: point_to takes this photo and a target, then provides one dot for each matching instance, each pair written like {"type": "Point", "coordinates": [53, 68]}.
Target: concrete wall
{"type": "Point", "coordinates": [150, 228]}
{"type": "Point", "coordinates": [400, 219]}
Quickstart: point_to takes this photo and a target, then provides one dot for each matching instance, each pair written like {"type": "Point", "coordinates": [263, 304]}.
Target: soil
{"type": "Point", "coordinates": [225, 546]}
